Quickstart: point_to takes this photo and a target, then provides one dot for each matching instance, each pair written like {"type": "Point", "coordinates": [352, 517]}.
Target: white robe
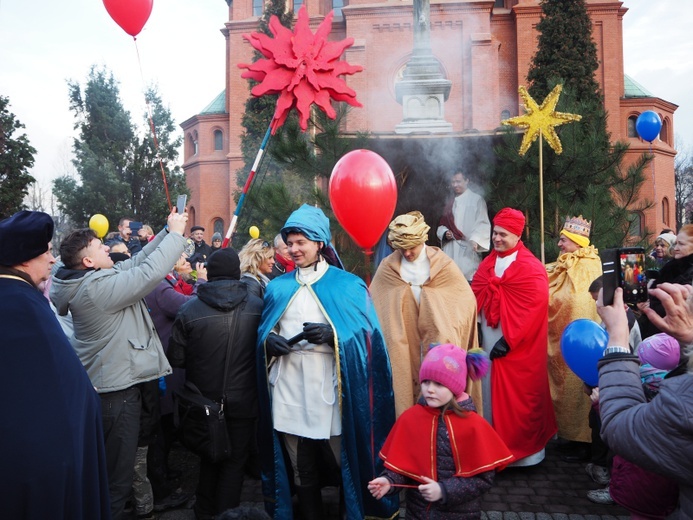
{"type": "Point", "coordinates": [471, 218]}
{"type": "Point", "coordinates": [304, 382]}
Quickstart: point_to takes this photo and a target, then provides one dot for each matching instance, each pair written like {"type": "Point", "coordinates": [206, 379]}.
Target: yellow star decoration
{"type": "Point", "coordinates": [542, 119]}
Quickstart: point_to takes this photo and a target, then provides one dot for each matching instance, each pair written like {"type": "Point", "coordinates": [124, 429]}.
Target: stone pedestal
{"type": "Point", "coordinates": [423, 92]}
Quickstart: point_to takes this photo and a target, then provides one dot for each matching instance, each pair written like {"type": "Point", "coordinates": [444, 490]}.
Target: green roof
{"type": "Point", "coordinates": [633, 89]}
{"type": "Point", "coordinates": [217, 106]}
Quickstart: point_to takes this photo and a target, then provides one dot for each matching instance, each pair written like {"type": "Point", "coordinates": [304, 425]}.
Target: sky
{"type": "Point", "coordinates": [45, 43]}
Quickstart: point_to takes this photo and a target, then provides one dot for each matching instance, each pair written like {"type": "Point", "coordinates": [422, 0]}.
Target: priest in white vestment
{"type": "Point", "coordinates": [465, 229]}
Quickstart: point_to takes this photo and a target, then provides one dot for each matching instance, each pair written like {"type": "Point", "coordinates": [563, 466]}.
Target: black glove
{"type": "Point", "coordinates": [277, 345]}
{"type": "Point", "coordinates": [499, 350]}
{"type": "Point", "coordinates": [318, 333]}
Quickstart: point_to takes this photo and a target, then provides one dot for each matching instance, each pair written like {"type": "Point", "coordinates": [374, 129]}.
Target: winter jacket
{"type": "Point", "coordinates": [164, 302]}
{"type": "Point", "coordinates": [115, 338]}
{"type": "Point", "coordinates": [658, 435]}
{"type": "Point", "coordinates": [461, 495]}
{"type": "Point", "coordinates": [224, 316]}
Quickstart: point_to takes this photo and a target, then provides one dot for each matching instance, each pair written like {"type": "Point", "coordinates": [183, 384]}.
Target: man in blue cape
{"type": "Point", "coordinates": [52, 458]}
{"type": "Point", "coordinates": [326, 399]}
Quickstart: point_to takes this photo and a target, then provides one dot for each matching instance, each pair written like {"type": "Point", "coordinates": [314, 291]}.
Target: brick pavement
{"type": "Point", "coordinates": [552, 490]}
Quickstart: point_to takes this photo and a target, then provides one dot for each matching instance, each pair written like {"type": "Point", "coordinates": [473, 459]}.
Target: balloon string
{"type": "Point", "coordinates": [153, 129]}
{"type": "Point", "coordinates": [654, 181]}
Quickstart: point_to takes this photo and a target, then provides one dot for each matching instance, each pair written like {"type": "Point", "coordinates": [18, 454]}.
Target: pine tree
{"type": "Point", "coordinates": [147, 191]}
{"type": "Point", "coordinates": [103, 150]}
{"type": "Point", "coordinates": [566, 53]}
{"type": "Point", "coordinates": [588, 178]}
{"type": "Point", "coordinates": [16, 159]}
{"type": "Point", "coordinates": [118, 173]}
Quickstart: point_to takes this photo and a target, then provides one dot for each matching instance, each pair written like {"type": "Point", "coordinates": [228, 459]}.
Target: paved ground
{"type": "Point", "coordinates": [552, 490]}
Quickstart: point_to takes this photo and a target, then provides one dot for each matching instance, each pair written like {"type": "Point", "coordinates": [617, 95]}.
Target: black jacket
{"type": "Point", "coordinates": [223, 314]}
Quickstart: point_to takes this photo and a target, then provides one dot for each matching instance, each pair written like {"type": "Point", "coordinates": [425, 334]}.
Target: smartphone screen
{"type": "Point", "coordinates": [632, 272]}
{"type": "Point", "coordinates": [180, 204]}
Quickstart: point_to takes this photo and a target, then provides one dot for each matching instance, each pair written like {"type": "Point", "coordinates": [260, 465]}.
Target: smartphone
{"type": "Point", "coordinates": [624, 267]}
{"type": "Point", "coordinates": [180, 204]}
{"type": "Point", "coordinates": [135, 227]}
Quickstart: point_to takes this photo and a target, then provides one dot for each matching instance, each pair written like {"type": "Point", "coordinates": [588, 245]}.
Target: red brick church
{"type": "Point", "coordinates": [484, 48]}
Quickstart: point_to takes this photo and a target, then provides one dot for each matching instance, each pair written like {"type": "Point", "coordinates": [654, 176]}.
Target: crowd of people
{"type": "Point", "coordinates": [447, 369]}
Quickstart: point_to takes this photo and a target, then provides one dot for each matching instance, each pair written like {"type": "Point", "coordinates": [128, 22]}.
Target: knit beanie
{"type": "Point", "coordinates": [224, 264]}
{"type": "Point", "coordinates": [660, 351]}
{"type": "Point", "coordinates": [216, 236]}
{"type": "Point", "coordinates": [448, 365]}
{"type": "Point", "coordinates": [23, 236]}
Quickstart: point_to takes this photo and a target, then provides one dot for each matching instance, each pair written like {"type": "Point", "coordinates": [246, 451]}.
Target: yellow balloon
{"type": "Point", "coordinates": [254, 232]}
{"type": "Point", "coordinates": [99, 224]}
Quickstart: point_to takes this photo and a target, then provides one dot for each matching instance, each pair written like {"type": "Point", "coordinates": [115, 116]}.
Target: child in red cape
{"type": "Point", "coordinates": [440, 449]}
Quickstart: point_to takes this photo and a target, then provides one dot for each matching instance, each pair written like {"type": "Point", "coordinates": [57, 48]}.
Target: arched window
{"type": "Point", "coordinates": [636, 224]}
{"type": "Point", "coordinates": [218, 140]}
{"type": "Point", "coordinates": [505, 114]}
{"type": "Point", "coordinates": [665, 211]}
{"type": "Point", "coordinates": [664, 132]}
{"type": "Point", "coordinates": [630, 126]}
{"type": "Point", "coordinates": [191, 216]}
{"type": "Point", "coordinates": [219, 226]}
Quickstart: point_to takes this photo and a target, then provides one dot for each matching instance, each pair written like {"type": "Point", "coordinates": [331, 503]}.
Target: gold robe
{"type": "Point", "coordinates": [446, 314]}
{"type": "Point", "coordinates": [569, 278]}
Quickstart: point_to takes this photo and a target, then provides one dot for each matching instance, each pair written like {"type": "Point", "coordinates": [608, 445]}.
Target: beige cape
{"type": "Point", "coordinates": [569, 278]}
{"type": "Point", "coordinates": [446, 314]}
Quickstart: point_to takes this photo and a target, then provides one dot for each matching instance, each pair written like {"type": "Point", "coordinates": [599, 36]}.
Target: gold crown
{"type": "Point", "coordinates": [578, 225]}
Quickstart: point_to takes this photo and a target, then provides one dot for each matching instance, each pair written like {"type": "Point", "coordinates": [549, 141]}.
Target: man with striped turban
{"type": "Point", "coordinates": [421, 298]}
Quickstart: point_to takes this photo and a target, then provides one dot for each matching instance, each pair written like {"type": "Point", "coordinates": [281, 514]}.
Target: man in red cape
{"type": "Point", "coordinates": [512, 292]}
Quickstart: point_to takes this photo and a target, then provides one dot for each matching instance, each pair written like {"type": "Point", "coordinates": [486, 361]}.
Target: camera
{"type": "Point", "coordinates": [624, 267]}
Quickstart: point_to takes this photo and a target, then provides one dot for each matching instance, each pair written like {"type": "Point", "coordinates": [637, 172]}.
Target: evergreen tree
{"type": "Point", "coordinates": [566, 52]}
{"type": "Point", "coordinates": [103, 150]}
{"type": "Point", "coordinates": [16, 159]}
{"type": "Point", "coordinates": [147, 191]}
{"type": "Point", "coordinates": [118, 174]}
{"type": "Point", "coordinates": [588, 178]}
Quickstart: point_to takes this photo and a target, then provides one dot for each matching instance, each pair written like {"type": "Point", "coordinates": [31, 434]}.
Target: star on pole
{"type": "Point", "coordinates": [303, 67]}
{"type": "Point", "coordinates": [541, 120]}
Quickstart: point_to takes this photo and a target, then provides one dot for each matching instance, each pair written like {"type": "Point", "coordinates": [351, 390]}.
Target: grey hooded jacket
{"type": "Point", "coordinates": [115, 337]}
{"type": "Point", "coordinates": [658, 435]}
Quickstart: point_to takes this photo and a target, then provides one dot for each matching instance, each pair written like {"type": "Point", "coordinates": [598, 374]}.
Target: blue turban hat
{"type": "Point", "coordinates": [312, 223]}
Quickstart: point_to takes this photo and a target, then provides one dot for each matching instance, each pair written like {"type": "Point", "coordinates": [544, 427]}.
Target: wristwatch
{"type": "Point", "coordinates": [617, 350]}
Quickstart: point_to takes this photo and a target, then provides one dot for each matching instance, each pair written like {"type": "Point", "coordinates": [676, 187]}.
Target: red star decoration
{"type": "Point", "coordinates": [302, 67]}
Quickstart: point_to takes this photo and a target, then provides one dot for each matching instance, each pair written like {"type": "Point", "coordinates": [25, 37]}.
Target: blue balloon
{"type": "Point", "coordinates": [648, 125]}
{"type": "Point", "coordinates": [582, 345]}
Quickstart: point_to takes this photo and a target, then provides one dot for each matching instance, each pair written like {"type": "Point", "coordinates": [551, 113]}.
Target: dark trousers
{"type": "Point", "coordinates": [157, 458]}
{"type": "Point", "coordinates": [120, 413]}
{"type": "Point", "coordinates": [220, 484]}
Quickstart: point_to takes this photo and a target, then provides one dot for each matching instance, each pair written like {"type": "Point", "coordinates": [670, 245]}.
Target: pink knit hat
{"type": "Point", "coordinates": [660, 351]}
{"type": "Point", "coordinates": [448, 365]}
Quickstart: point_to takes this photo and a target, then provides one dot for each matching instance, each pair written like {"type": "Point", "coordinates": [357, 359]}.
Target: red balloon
{"type": "Point", "coordinates": [363, 194]}
{"type": "Point", "coordinates": [131, 15]}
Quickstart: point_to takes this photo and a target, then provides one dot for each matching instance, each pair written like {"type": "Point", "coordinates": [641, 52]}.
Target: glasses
{"type": "Point", "coordinates": [266, 245]}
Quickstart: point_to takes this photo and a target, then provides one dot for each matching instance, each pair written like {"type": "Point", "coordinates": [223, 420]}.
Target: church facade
{"type": "Point", "coordinates": [484, 48]}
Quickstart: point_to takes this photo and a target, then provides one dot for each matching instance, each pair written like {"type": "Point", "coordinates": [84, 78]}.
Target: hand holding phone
{"type": "Point", "coordinates": [624, 267]}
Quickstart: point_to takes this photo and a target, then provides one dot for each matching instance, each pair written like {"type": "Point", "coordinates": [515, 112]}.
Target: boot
{"type": "Point", "coordinates": [310, 502]}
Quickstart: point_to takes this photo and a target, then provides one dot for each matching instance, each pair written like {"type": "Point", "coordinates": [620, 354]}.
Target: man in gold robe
{"type": "Point", "coordinates": [570, 277]}
{"type": "Point", "coordinates": [421, 298]}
